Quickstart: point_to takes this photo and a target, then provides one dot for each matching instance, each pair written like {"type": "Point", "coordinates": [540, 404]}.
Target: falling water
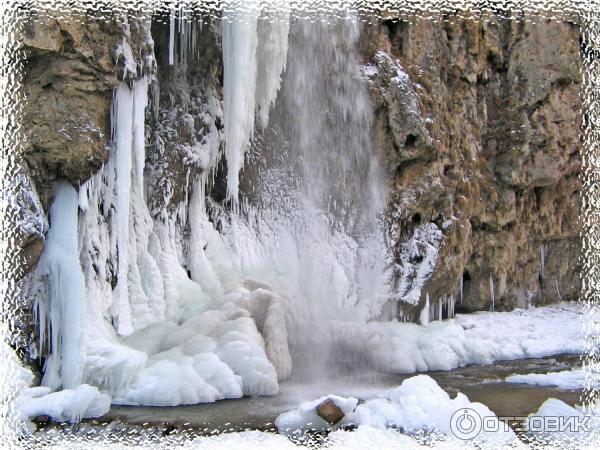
{"type": "Point", "coordinates": [314, 193]}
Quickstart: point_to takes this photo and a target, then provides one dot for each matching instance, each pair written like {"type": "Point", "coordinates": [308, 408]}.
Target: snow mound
{"type": "Point", "coordinates": [417, 405]}
{"type": "Point", "coordinates": [305, 417]}
{"type": "Point", "coordinates": [68, 405]}
{"type": "Point", "coordinates": [581, 434]}
{"type": "Point", "coordinates": [566, 379]}
{"type": "Point", "coordinates": [479, 338]}
{"type": "Point", "coordinates": [211, 356]}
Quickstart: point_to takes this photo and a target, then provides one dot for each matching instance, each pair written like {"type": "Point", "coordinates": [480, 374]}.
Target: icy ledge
{"type": "Point", "coordinates": [479, 338]}
{"type": "Point", "coordinates": [566, 379]}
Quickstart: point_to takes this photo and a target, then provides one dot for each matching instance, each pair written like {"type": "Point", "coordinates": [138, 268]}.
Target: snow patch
{"type": "Point", "coordinates": [566, 379]}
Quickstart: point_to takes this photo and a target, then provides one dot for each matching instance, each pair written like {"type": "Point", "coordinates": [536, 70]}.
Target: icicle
{"type": "Point", "coordinates": [123, 148]}
{"type": "Point", "coordinates": [62, 314]}
{"type": "Point", "coordinates": [171, 35]}
{"type": "Point", "coordinates": [492, 307]}
{"type": "Point", "coordinates": [439, 316]}
{"type": "Point", "coordinates": [239, 43]}
{"type": "Point", "coordinates": [254, 57]}
{"type": "Point", "coordinates": [542, 259]}
{"type": "Point", "coordinates": [462, 280]}
{"type": "Point", "coordinates": [424, 317]}
{"type": "Point", "coordinates": [451, 311]}
{"type": "Point", "coordinates": [200, 268]}
{"type": "Point", "coordinates": [271, 59]}
{"type": "Point", "coordinates": [558, 291]}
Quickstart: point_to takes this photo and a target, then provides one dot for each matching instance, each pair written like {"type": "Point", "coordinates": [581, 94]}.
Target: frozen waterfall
{"type": "Point", "coordinates": [312, 201]}
{"type": "Point", "coordinates": [207, 300]}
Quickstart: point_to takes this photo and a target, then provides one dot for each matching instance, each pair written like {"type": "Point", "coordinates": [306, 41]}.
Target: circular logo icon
{"type": "Point", "coordinates": [465, 423]}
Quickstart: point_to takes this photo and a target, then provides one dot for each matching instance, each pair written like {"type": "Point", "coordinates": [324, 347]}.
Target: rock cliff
{"type": "Point", "coordinates": [478, 124]}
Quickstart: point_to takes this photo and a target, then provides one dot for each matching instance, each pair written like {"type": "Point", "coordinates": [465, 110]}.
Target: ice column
{"type": "Point", "coordinates": [122, 118]}
{"type": "Point", "coordinates": [171, 35]}
{"type": "Point", "coordinates": [424, 317]}
{"type": "Point", "coordinates": [271, 55]}
{"type": "Point", "coordinates": [62, 311]}
{"type": "Point", "coordinates": [240, 40]}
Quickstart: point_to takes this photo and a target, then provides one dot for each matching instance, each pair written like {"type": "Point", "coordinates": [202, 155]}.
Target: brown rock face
{"type": "Point", "coordinates": [330, 412]}
{"type": "Point", "coordinates": [479, 123]}
{"type": "Point", "coordinates": [72, 64]}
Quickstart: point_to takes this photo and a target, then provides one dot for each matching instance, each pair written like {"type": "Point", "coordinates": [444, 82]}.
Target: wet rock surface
{"type": "Point", "coordinates": [330, 412]}
{"type": "Point", "coordinates": [72, 63]}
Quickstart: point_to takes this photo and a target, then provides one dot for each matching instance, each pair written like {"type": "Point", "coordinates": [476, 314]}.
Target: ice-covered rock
{"type": "Point", "coordinates": [418, 405]}
{"type": "Point", "coordinates": [306, 416]}
{"type": "Point", "coordinates": [68, 405]}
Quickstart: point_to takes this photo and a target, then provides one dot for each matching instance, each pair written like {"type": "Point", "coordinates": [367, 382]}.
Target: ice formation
{"type": "Point", "coordinates": [305, 417]}
{"type": "Point", "coordinates": [68, 405]}
{"type": "Point", "coordinates": [479, 338]}
{"type": "Point", "coordinates": [61, 316]}
{"type": "Point", "coordinates": [155, 307]}
{"type": "Point", "coordinates": [254, 56]}
{"type": "Point", "coordinates": [423, 246]}
{"type": "Point", "coordinates": [578, 428]}
{"type": "Point", "coordinates": [418, 405]}
{"type": "Point", "coordinates": [157, 337]}
{"type": "Point", "coordinates": [492, 295]}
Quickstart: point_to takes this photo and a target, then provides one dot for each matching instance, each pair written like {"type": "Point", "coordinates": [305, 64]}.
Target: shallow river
{"type": "Point", "coordinates": [480, 383]}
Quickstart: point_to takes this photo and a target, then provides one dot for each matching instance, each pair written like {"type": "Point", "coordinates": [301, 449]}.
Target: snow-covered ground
{"type": "Point", "coordinates": [420, 411]}
{"type": "Point", "coordinates": [579, 428]}
{"type": "Point", "coordinates": [479, 338]}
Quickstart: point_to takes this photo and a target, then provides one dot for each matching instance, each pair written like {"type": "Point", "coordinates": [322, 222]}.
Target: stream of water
{"type": "Point", "coordinates": [483, 384]}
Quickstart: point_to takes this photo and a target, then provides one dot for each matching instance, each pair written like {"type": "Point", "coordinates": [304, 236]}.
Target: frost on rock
{"type": "Point", "coordinates": [395, 91]}
{"type": "Point", "coordinates": [30, 220]}
{"type": "Point", "coordinates": [417, 259]}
